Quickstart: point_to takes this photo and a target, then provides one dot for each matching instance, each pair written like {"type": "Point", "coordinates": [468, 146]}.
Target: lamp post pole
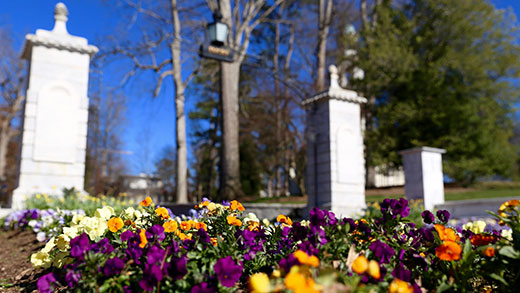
{"type": "Point", "coordinates": [217, 49]}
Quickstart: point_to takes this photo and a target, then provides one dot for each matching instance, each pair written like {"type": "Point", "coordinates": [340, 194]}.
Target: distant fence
{"type": "Point", "coordinates": [473, 207]}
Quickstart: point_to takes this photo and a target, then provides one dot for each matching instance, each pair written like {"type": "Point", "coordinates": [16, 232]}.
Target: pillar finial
{"type": "Point", "coordinates": [333, 70]}
{"type": "Point", "coordinates": [60, 18]}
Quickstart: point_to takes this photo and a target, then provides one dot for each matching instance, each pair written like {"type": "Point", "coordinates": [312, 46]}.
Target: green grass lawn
{"type": "Point", "coordinates": [471, 194]}
{"type": "Point", "coordinates": [475, 193]}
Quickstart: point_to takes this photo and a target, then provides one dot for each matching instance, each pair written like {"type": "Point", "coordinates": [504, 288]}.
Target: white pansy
{"type": "Point", "coordinates": [479, 226]}
{"type": "Point", "coordinates": [507, 234]}
{"type": "Point", "coordinates": [105, 212]}
{"type": "Point", "coordinates": [76, 219]}
{"type": "Point", "coordinates": [60, 259]}
{"type": "Point", "coordinates": [62, 242]}
{"type": "Point", "coordinates": [476, 227]}
{"type": "Point", "coordinates": [49, 246]}
{"type": "Point", "coordinates": [129, 213]}
{"type": "Point", "coordinates": [32, 223]}
{"type": "Point", "coordinates": [70, 232]}
{"type": "Point", "coordinates": [251, 217]}
{"type": "Point", "coordinates": [305, 223]}
{"type": "Point", "coordinates": [40, 236]}
{"type": "Point", "coordinates": [47, 221]}
{"type": "Point", "coordinates": [40, 260]}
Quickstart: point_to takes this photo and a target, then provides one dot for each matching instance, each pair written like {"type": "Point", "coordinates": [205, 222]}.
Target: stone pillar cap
{"type": "Point", "coordinates": [335, 91]}
{"type": "Point", "coordinates": [422, 149]}
{"type": "Point", "coordinates": [60, 18]}
{"type": "Point", "coordinates": [58, 37]}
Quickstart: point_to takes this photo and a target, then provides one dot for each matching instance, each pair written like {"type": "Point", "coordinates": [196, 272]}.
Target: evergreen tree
{"type": "Point", "coordinates": [442, 73]}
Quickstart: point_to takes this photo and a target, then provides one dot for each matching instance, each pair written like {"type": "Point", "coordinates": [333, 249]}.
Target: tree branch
{"type": "Point", "coordinates": [160, 80]}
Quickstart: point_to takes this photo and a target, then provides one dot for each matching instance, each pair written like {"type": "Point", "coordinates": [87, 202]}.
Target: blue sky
{"type": "Point", "coordinates": [150, 119]}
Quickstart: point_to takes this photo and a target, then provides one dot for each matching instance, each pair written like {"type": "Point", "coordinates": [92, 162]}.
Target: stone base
{"type": "Point", "coordinates": [5, 212]}
{"type": "Point", "coordinates": [350, 211]}
{"type": "Point", "coordinates": [17, 200]}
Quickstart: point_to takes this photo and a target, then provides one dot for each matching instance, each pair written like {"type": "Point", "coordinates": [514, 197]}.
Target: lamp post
{"type": "Point", "coordinates": [217, 49]}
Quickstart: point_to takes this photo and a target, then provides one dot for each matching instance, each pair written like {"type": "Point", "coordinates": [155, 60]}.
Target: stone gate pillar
{"type": "Point", "coordinates": [335, 177]}
{"type": "Point", "coordinates": [56, 111]}
{"type": "Point", "coordinates": [423, 175]}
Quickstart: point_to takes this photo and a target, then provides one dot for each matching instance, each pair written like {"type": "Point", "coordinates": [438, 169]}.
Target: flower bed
{"type": "Point", "coordinates": [221, 248]}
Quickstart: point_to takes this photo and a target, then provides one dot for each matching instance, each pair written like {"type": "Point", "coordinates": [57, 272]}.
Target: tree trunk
{"type": "Point", "coordinates": [325, 15]}
{"type": "Point", "coordinates": [181, 173]}
{"type": "Point", "coordinates": [4, 143]}
{"type": "Point", "coordinates": [181, 179]}
{"type": "Point", "coordinates": [230, 179]}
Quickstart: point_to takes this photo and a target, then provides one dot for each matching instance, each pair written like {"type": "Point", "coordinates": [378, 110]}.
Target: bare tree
{"type": "Point", "coordinates": [12, 83]}
{"type": "Point", "coordinates": [160, 52]}
{"type": "Point", "coordinates": [324, 22]}
{"type": "Point", "coordinates": [242, 17]}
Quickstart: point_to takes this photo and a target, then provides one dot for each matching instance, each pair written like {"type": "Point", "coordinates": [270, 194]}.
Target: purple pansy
{"type": "Point", "coordinates": [428, 217]}
{"type": "Point", "coordinates": [286, 263]}
{"type": "Point", "coordinates": [102, 246]}
{"type": "Point", "coordinates": [228, 272]}
{"type": "Point", "coordinates": [155, 232]}
{"type": "Point", "coordinates": [79, 245]}
{"type": "Point", "coordinates": [155, 255]}
{"type": "Point", "coordinates": [395, 207]}
{"type": "Point", "coordinates": [44, 283]}
{"type": "Point", "coordinates": [72, 278]}
{"type": "Point", "coordinates": [382, 251]}
{"type": "Point", "coordinates": [113, 266]}
{"type": "Point", "coordinates": [402, 273]}
{"type": "Point", "coordinates": [443, 216]}
{"type": "Point", "coordinates": [202, 288]}
{"type": "Point", "coordinates": [176, 268]}
{"type": "Point", "coordinates": [152, 275]}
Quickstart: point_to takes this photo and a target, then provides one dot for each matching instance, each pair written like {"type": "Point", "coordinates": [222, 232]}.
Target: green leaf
{"type": "Point", "coordinates": [509, 251]}
{"type": "Point", "coordinates": [326, 277]}
{"type": "Point", "coordinates": [105, 287]}
{"type": "Point", "coordinates": [193, 255]}
{"type": "Point", "coordinates": [467, 250]}
{"type": "Point", "coordinates": [443, 287]}
{"type": "Point", "coordinates": [498, 278]}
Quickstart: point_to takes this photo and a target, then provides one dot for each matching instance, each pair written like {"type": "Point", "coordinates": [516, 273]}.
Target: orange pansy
{"type": "Point", "coordinates": [360, 264]}
{"type": "Point", "coordinates": [284, 220]}
{"type": "Point", "coordinates": [144, 241]}
{"type": "Point", "coordinates": [489, 251]}
{"type": "Point", "coordinates": [162, 212]}
{"type": "Point", "coordinates": [305, 259]}
{"type": "Point", "coordinates": [233, 221]}
{"type": "Point", "coordinates": [446, 233]}
{"type": "Point", "coordinates": [114, 224]}
{"type": "Point", "coordinates": [201, 225]}
{"type": "Point", "coordinates": [374, 270]}
{"type": "Point", "coordinates": [146, 202]}
{"type": "Point", "coordinates": [448, 250]}
{"type": "Point", "coordinates": [481, 239]}
{"type": "Point", "coordinates": [297, 282]}
{"type": "Point", "coordinates": [170, 226]}
{"type": "Point", "coordinates": [183, 236]}
{"type": "Point", "coordinates": [253, 226]}
{"type": "Point", "coordinates": [186, 225]}
{"type": "Point", "coordinates": [235, 205]}
{"type": "Point", "coordinates": [400, 286]}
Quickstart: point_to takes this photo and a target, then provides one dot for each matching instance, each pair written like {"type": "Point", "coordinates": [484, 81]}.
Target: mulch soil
{"type": "Point", "coordinates": [16, 271]}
